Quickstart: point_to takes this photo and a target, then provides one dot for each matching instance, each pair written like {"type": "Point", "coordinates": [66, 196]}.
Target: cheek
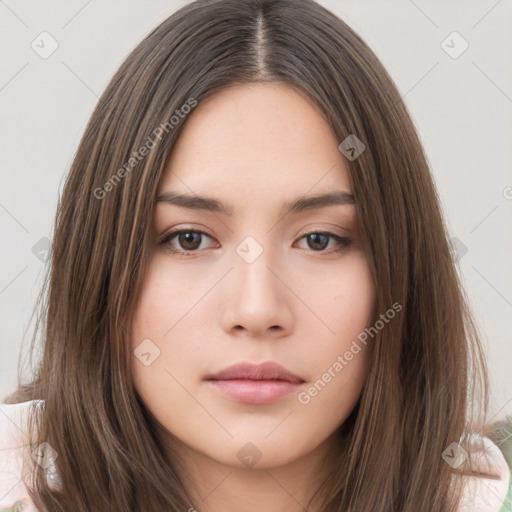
{"type": "Point", "coordinates": [161, 306]}
{"type": "Point", "coordinates": [339, 357]}
{"type": "Point", "coordinates": [167, 296]}
{"type": "Point", "coordinates": [343, 298]}
{"type": "Point", "coordinates": [182, 321]}
{"type": "Point", "coordinates": [340, 299]}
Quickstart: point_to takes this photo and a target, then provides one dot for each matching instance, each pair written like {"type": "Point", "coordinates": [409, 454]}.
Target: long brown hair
{"type": "Point", "coordinates": [427, 386]}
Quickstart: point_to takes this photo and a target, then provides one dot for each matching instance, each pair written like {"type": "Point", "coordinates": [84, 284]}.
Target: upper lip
{"type": "Point", "coordinates": [250, 371]}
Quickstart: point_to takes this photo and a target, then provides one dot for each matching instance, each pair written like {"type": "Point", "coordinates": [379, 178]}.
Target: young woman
{"type": "Point", "coordinates": [252, 303]}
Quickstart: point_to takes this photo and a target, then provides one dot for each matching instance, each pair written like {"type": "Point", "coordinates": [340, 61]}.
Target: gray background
{"type": "Point", "coordinates": [462, 107]}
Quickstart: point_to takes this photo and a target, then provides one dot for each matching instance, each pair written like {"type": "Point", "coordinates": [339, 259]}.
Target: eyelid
{"type": "Point", "coordinates": [343, 242]}
{"type": "Point", "coordinates": [170, 233]}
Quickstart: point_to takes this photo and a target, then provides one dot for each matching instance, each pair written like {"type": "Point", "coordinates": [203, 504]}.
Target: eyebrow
{"type": "Point", "coordinates": [301, 204]}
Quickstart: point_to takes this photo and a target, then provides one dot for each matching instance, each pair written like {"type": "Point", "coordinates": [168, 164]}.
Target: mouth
{"type": "Point", "coordinates": [255, 384]}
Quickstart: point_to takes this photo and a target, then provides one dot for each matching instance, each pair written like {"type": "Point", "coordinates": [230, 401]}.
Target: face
{"type": "Point", "coordinates": [243, 279]}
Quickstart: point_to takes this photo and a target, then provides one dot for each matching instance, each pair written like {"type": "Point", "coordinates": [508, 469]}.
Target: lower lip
{"type": "Point", "coordinates": [255, 392]}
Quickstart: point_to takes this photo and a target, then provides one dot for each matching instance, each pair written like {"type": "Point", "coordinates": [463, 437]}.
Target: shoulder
{"type": "Point", "coordinates": [14, 448]}
{"type": "Point", "coordinates": [490, 491]}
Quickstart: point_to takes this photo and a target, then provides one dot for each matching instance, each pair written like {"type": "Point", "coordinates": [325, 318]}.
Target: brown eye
{"type": "Point", "coordinates": [189, 240]}
{"type": "Point", "coordinates": [319, 241]}
{"type": "Point", "coordinates": [184, 241]}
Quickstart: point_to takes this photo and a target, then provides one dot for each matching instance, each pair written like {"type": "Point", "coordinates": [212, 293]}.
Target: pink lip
{"type": "Point", "coordinates": [255, 384]}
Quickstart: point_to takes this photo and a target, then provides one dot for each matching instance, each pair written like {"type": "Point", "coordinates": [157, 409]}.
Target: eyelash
{"type": "Point", "coordinates": [344, 243]}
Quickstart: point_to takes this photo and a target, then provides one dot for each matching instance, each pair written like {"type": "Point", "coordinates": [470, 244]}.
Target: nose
{"type": "Point", "coordinates": [257, 300]}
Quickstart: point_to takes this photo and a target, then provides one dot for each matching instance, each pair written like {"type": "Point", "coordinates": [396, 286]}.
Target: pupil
{"type": "Point", "coordinates": [187, 240]}
{"type": "Point", "coordinates": [191, 241]}
{"type": "Point", "coordinates": [317, 237]}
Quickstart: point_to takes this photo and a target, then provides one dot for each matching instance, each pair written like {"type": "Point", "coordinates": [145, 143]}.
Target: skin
{"type": "Point", "coordinates": [299, 304]}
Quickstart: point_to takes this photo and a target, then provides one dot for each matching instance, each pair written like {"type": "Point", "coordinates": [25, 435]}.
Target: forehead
{"type": "Point", "coordinates": [257, 139]}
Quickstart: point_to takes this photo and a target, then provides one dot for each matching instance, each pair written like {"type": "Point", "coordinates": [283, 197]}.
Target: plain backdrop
{"type": "Point", "coordinates": [460, 99]}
